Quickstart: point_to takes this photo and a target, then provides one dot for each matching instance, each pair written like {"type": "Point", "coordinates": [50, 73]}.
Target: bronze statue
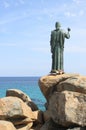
{"type": "Point", "coordinates": [57, 47]}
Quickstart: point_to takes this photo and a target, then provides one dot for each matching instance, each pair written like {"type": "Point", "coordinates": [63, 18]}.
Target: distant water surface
{"type": "Point", "coordinates": [29, 85]}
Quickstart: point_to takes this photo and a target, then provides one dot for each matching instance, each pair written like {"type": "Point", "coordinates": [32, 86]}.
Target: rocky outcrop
{"type": "Point", "coordinates": [65, 108]}
{"type": "Point", "coordinates": [11, 107]}
{"type": "Point", "coordinates": [68, 108]}
{"type": "Point", "coordinates": [24, 97]}
{"type": "Point", "coordinates": [66, 101]}
{"type": "Point", "coordinates": [19, 114]}
{"type": "Point", "coordinates": [48, 84]}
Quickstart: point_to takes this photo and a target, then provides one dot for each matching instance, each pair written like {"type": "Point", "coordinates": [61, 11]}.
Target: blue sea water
{"type": "Point", "coordinates": [29, 85]}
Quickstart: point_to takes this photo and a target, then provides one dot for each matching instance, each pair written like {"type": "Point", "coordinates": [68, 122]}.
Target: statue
{"type": "Point", "coordinates": [57, 47]}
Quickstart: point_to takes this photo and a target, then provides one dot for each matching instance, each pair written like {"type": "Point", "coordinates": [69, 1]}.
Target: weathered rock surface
{"type": "Point", "coordinates": [77, 128]}
{"type": "Point", "coordinates": [38, 127]}
{"type": "Point", "coordinates": [24, 127]}
{"type": "Point", "coordinates": [20, 121]}
{"type": "Point", "coordinates": [51, 125]}
{"type": "Point", "coordinates": [13, 107]}
{"type": "Point", "coordinates": [48, 84]}
{"type": "Point", "coordinates": [65, 106]}
{"type": "Point", "coordinates": [15, 110]}
{"type": "Point", "coordinates": [75, 84]}
{"type": "Point", "coordinates": [66, 101]}
{"type": "Point", "coordinates": [24, 97]}
{"type": "Point", "coordinates": [6, 125]}
{"type": "Point", "coordinates": [38, 116]}
{"type": "Point", "coordinates": [46, 115]}
{"type": "Point", "coordinates": [68, 108]}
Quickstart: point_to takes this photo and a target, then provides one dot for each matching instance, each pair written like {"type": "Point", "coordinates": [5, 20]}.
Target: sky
{"type": "Point", "coordinates": [25, 29]}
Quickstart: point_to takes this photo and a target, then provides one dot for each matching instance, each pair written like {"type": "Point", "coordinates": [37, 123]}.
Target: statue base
{"type": "Point", "coordinates": [57, 72]}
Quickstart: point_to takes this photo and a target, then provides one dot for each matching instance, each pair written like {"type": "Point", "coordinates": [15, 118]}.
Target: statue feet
{"type": "Point", "coordinates": [56, 72]}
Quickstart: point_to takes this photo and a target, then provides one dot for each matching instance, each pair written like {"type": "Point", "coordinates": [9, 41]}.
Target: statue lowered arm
{"type": "Point", "coordinates": [52, 41]}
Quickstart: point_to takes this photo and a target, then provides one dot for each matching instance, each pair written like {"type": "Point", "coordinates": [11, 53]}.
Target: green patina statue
{"type": "Point", "coordinates": [57, 47]}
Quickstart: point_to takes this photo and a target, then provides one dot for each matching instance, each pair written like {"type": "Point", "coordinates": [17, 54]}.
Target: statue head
{"type": "Point", "coordinates": [57, 25]}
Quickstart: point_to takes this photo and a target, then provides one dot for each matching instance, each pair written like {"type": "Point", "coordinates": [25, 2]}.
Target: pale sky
{"type": "Point", "coordinates": [25, 28]}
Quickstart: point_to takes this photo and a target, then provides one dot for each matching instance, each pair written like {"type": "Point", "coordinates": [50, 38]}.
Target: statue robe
{"type": "Point", "coordinates": [57, 47]}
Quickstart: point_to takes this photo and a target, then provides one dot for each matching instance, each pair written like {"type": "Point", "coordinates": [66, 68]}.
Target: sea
{"type": "Point", "coordinates": [28, 85]}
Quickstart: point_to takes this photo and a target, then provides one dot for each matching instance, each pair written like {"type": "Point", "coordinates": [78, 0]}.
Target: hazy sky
{"type": "Point", "coordinates": [25, 28]}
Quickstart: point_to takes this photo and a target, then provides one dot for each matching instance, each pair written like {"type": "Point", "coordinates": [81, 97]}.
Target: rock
{"type": "Point", "coordinates": [50, 125]}
{"type": "Point", "coordinates": [6, 125]}
{"type": "Point", "coordinates": [36, 127]}
{"type": "Point", "coordinates": [38, 116]}
{"type": "Point", "coordinates": [13, 107]}
{"type": "Point", "coordinates": [77, 128]}
{"type": "Point", "coordinates": [46, 115]}
{"type": "Point", "coordinates": [68, 108]}
{"type": "Point", "coordinates": [75, 83]}
{"type": "Point", "coordinates": [20, 121]}
{"type": "Point", "coordinates": [23, 97]}
{"type": "Point", "coordinates": [65, 106]}
{"type": "Point", "coordinates": [24, 127]}
{"type": "Point", "coordinates": [48, 84]}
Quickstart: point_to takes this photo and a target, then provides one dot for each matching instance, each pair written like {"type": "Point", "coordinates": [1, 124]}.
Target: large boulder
{"type": "Point", "coordinates": [75, 83]}
{"type": "Point", "coordinates": [13, 107]}
{"type": "Point", "coordinates": [68, 108]}
{"type": "Point", "coordinates": [6, 125]}
{"type": "Point", "coordinates": [23, 96]}
{"type": "Point", "coordinates": [48, 84]}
